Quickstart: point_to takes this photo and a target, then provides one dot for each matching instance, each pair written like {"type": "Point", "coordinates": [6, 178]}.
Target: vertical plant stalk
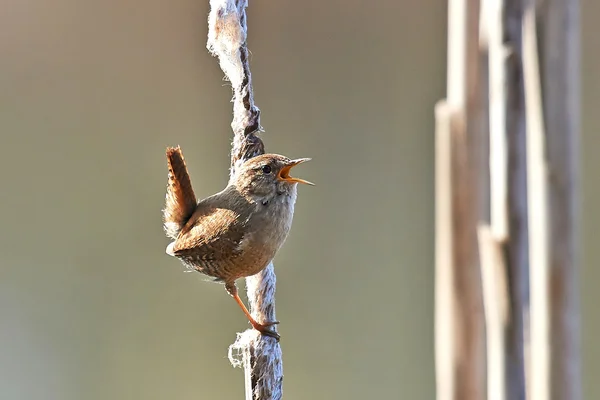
{"type": "Point", "coordinates": [517, 244]}
{"type": "Point", "coordinates": [460, 331]}
{"type": "Point", "coordinates": [551, 74]}
{"type": "Point", "coordinates": [537, 175]}
{"type": "Point", "coordinates": [560, 81]}
{"type": "Point", "coordinates": [445, 307]}
{"type": "Point", "coordinates": [259, 355]}
{"type": "Point", "coordinates": [503, 368]}
{"type": "Point", "coordinates": [495, 300]}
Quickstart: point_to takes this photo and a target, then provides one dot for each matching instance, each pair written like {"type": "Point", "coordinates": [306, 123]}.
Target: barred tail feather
{"type": "Point", "coordinates": [180, 201]}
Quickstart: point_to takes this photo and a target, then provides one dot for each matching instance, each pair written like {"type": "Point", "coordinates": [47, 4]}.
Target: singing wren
{"type": "Point", "coordinates": [236, 232]}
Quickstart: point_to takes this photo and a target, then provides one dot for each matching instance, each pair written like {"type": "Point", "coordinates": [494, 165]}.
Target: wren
{"type": "Point", "coordinates": [236, 232]}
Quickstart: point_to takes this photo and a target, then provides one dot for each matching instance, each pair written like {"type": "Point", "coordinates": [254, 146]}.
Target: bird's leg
{"type": "Point", "coordinates": [262, 328]}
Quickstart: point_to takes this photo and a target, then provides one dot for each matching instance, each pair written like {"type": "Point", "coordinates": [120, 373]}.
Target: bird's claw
{"type": "Point", "coordinates": [264, 329]}
{"type": "Point", "coordinates": [271, 323]}
{"type": "Point", "coordinates": [270, 333]}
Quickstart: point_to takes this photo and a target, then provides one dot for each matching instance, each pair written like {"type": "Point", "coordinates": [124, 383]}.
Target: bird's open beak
{"type": "Point", "coordinates": [284, 175]}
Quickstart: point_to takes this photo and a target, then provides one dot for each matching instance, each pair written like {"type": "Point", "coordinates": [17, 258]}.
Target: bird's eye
{"type": "Point", "coordinates": [266, 169]}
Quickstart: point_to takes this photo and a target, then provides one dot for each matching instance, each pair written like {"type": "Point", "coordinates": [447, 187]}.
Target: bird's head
{"type": "Point", "coordinates": [267, 175]}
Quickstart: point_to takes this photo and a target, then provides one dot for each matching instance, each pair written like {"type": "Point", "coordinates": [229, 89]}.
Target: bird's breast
{"type": "Point", "coordinates": [274, 224]}
{"type": "Point", "coordinates": [270, 228]}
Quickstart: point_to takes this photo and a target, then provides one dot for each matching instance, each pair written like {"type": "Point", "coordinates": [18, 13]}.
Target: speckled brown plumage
{"type": "Point", "coordinates": [236, 232]}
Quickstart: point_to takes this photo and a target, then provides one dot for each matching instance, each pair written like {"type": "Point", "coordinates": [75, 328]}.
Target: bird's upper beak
{"type": "Point", "coordinates": [284, 175]}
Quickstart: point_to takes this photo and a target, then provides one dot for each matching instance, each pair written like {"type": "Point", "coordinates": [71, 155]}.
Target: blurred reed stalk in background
{"type": "Point", "coordinates": [507, 203]}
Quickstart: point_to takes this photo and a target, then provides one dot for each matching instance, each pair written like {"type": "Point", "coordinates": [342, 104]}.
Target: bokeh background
{"type": "Point", "coordinates": [91, 93]}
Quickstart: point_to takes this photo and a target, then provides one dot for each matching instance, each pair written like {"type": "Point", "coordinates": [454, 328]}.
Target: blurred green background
{"type": "Point", "coordinates": [91, 93]}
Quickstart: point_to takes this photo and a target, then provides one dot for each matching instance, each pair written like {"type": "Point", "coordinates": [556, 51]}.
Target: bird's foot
{"type": "Point", "coordinates": [264, 329]}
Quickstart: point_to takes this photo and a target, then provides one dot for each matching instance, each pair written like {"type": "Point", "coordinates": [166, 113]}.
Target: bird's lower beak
{"type": "Point", "coordinates": [284, 175]}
